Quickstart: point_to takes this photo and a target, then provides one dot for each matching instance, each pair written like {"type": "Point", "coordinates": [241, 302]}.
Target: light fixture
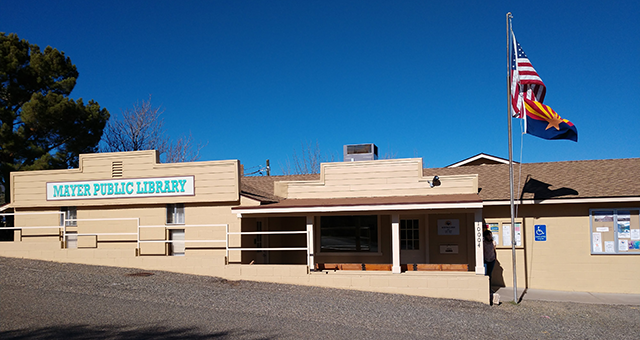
{"type": "Point", "coordinates": [435, 182]}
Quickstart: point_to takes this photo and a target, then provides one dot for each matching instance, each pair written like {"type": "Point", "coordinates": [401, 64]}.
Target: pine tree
{"type": "Point", "coordinates": [40, 126]}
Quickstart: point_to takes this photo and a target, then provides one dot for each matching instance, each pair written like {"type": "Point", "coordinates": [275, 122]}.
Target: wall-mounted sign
{"type": "Point", "coordinates": [449, 227]}
{"type": "Point", "coordinates": [540, 231]}
{"type": "Point", "coordinates": [448, 249]}
{"type": "Point", "coordinates": [121, 188]}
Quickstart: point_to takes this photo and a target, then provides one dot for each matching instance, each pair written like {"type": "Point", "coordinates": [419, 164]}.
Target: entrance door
{"type": "Point", "coordinates": [412, 245]}
{"type": "Point", "coordinates": [449, 239]}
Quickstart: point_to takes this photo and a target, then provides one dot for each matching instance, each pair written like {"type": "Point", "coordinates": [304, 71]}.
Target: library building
{"type": "Point", "coordinates": [383, 225]}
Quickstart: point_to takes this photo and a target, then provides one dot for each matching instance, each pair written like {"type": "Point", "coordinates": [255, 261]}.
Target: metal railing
{"type": "Point", "coordinates": [182, 226]}
{"type": "Point", "coordinates": [269, 248]}
{"type": "Point", "coordinates": [64, 233]}
{"type": "Point", "coordinates": [65, 223]}
{"type": "Point", "coordinates": [59, 213]}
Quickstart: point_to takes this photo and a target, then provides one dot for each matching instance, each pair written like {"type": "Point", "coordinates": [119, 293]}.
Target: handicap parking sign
{"type": "Point", "coordinates": [540, 232]}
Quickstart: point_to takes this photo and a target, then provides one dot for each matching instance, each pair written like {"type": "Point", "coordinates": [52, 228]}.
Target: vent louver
{"type": "Point", "coordinates": [360, 152]}
{"type": "Point", "coordinates": [116, 169]}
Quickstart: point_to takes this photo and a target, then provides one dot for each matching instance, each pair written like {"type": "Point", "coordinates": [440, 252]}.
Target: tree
{"type": "Point", "coordinates": [310, 158]}
{"type": "Point", "coordinates": [308, 162]}
{"type": "Point", "coordinates": [142, 128]}
{"type": "Point", "coordinates": [183, 150]}
{"type": "Point", "coordinates": [40, 126]}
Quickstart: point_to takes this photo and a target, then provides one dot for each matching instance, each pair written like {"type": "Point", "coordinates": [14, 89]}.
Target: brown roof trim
{"type": "Point", "coordinates": [359, 201]}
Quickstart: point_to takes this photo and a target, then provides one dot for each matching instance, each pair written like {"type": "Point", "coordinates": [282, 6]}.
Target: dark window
{"type": "Point", "coordinates": [409, 235]}
{"type": "Point", "coordinates": [349, 233]}
{"type": "Point", "coordinates": [69, 216]}
{"type": "Point", "coordinates": [175, 213]}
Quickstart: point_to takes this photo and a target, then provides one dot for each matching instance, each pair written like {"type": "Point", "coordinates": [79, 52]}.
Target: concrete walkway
{"type": "Point", "coordinates": [506, 295]}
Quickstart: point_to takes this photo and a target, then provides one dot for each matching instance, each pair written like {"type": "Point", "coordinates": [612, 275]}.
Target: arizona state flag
{"type": "Point", "coordinates": [545, 123]}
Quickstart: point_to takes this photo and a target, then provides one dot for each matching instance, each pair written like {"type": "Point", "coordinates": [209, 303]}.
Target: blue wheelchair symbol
{"type": "Point", "coordinates": [540, 232]}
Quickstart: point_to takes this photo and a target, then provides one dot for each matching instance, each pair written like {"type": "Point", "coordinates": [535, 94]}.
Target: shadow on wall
{"type": "Point", "coordinates": [497, 279]}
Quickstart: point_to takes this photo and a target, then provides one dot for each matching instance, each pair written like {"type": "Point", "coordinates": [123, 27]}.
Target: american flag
{"type": "Point", "coordinates": [525, 81]}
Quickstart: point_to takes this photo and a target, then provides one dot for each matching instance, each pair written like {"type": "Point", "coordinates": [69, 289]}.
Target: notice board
{"type": "Point", "coordinates": [615, 231]}
{"type": "Point", "coordinates": [502, 233]}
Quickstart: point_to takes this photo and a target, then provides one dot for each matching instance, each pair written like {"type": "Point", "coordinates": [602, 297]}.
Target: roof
{"type": "Point", "coordinates": [261, 187]}
{"type": "Point", "coordinates": [553, 180]}
{"type": "Point", "coordinates": [604, 178]}
{"type": "Point", "coordinates": [480, 159]}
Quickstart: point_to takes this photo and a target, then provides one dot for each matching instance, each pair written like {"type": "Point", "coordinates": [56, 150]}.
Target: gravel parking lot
{"type": "Point", "coordinates": [47, 300]}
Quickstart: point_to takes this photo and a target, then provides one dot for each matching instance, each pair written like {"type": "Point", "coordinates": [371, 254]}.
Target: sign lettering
{"type": "Point", "coordinates": [120, 188]}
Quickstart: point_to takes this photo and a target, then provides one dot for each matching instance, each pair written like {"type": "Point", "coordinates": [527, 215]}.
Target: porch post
{"type": "Point", "coordinates": [395, 243]}
{"type": "Point", "coordinates": [477, 226]}
{"type": "Point", "coordinates": [310, 260]}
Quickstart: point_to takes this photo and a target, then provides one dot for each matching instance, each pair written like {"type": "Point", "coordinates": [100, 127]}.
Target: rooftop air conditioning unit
{"type": "Point", "coordinates": [360, 152]}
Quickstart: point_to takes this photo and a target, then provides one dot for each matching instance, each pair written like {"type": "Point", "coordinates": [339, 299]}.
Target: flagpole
{"type": "Point", "coordinates": [513, 226]}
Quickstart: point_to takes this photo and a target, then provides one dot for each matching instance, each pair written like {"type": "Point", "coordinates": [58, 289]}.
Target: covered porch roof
{"type": "Point", "coordinates": [392, 203]}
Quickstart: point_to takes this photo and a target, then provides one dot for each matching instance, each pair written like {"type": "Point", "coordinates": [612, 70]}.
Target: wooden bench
{"type": "Point", "coordinates": [387, 267]}
{"type": "Point", "coordinates": [435, 267]}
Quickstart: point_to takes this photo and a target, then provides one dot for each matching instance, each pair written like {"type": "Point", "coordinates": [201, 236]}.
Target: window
{"type": "Point", "coordinates": [349, 233]}
{"type": "Point", "coordinates": [177, 247]}
{"type": "Point", "coordinates": [68, 219]}
{"type": "Point", "coordinates": [615, 231]}
{"type": "Point", "coordinates": [6, 221]}
{"type": "Point", "coordinates": [409, 235]}
{"type": "Point", "coordinates": [69, 216]}
{"type": "Point", "coordinates": [175, 213]}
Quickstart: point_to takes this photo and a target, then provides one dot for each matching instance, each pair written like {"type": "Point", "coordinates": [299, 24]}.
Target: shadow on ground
{"type": "Point", "coordinates": [114, 332]}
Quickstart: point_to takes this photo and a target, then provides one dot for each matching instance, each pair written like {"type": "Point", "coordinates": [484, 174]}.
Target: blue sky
{"type": "Point", "coordinates": [255, 80]}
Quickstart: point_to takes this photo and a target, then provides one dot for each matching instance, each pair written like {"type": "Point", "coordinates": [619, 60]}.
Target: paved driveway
{"type": "Point", "coordinates": [46, 300]}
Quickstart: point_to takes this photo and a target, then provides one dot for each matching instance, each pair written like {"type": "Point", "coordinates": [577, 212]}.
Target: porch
{"type": "Point", "coordinates": [396, 234]}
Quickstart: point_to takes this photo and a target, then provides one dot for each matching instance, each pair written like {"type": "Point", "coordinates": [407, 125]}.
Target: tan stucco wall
{"type": "Point", "coordinates": [464, 286]}
{"type": "Point", "coordinates": [214, 181]}
{"type": "Point", "coordinates": [564, 260]}
{"type": "Point", "coordinates": [381, 178]}
{"type": "Point", "coordinates": [121, 220]}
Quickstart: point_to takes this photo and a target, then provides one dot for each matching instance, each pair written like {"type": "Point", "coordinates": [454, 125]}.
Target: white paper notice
{"type": "Point", "coordinates": [635, 234]}
{"type": "Point", "coordinates": [602, 229]}
{"type": "Point", "coordinates": [518, 235]}
{"type": "Point", "coordinates": [609, 247]}
{"type": "Point", "coordinates": [626, 234]}
{"type": "Point", "coordinates": [624, 226]}
{"type": "Point", "coordinates": [506, 235]}
{"type": "Point", "coordinates": [597, 243]}
{"type": "Point", "coordinates": [623, 245]}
